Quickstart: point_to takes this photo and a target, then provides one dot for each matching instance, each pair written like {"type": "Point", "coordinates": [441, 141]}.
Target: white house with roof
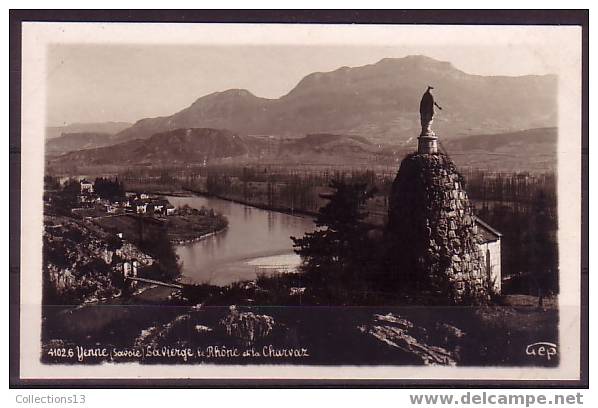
{"type": "Point", "coordinates": [86, 186]}
{"type": "Point", "coordinates": [141, 208]}
{"type": "Point", "coordinates": [490, 247]}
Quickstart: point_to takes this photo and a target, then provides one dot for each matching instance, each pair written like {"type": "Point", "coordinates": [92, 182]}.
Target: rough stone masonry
{"type": "Point", "coordinates": [432, 224]}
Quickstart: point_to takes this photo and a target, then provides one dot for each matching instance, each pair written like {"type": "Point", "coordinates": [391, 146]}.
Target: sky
{"type": "Point", "coordinates": [128, 82]}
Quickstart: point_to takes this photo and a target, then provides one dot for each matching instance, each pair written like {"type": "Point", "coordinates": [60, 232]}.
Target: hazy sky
{"type": "Point", "coordinates": [96, 83]}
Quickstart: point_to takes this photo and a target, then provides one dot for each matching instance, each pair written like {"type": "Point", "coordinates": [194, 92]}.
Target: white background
{"type": "Point", "coordinates": [245, 398]}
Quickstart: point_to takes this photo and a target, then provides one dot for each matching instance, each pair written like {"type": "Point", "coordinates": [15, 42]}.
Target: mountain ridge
{"type": "Point", "coordinates": [379, 101]}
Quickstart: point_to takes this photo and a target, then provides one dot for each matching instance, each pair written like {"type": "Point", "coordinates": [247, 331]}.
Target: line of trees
{"type": "Point", "coordinates": [108, 188]}
{"type": "Point", "coordinates": [529, 243]}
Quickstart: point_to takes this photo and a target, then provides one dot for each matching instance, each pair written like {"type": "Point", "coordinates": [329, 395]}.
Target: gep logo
{"type": "Point", "coordinates": [541, 349]}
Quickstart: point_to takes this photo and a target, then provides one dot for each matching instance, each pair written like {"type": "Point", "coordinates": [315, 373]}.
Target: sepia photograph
{"type": "Point", "coordinates": [300, 201]}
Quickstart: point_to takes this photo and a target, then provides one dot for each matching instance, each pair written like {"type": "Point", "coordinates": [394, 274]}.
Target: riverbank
{"type": "Point", "coordinates": [192, 224]}
{"type": "Point", "coordinates": [284, 210]}
{"type": "Point", "coordinates": [181, 229]}
{"type": "Point", "coordinates": [173, 194]}
{"type": "Point", "coordinates": [198, 238]}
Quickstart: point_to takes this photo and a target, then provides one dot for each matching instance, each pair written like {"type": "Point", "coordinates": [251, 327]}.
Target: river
{"type": "Point", "coordinates": [255, 241]}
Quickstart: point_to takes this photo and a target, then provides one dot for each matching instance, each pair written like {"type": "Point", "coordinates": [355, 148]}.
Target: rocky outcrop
{"type": "Point", "coordinates": [400, 333]}
{"type": "Point", "coordinates": [247, 326]}
{"type": "Point", "coordinates": [78, 267]}
{"type": "Point", "coordinates": [431, 223]}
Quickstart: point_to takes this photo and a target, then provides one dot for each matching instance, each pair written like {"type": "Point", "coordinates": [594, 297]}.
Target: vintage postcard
{"type": "Point", "coordinates": [305, 201]}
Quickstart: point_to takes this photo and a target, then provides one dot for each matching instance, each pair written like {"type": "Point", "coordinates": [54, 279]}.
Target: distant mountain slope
{"type": "Point", "coordinates": [526, 140]}
{"type": "Point", "coordinates": [181, 146]}
{"type": "Point", "coordinates": [77, 141]}
{"type": "Point", "coordinates": [378, 101]}
{"type": "Point", "coordinates": [528, 150]}
{"type": "Point", "coordinates": [100, 127]}
{"type": "Point", "coordinates": [325, 142]}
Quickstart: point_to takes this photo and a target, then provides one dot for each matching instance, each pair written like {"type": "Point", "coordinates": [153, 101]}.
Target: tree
{"type": "Point", "coordinates": [64, 200]}
{"type": "Point", "coordinates": [108, 188]}
{"type": "Point", "coordinates": [154, 241]}
{"type": "Point", "coordinates": [543, 247]}
{"type": "Point", "coordinates": [113, 243]}
{"type": "Point", "coordinates": [51, 183]}
{"type": "Point", "coordinates": [336, 251]}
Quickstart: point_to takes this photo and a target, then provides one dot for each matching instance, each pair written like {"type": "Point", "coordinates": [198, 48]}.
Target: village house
{"type": "Point", "coordinates": [159, 206]}
{"type": "Point", "coordinates": [140, 207]}
{"type": "Point", "coordinates": [86, 186]}
{"type": "Point", "coordinates": [111, 209]}
{"type": "Point", "coordinates": [130, 268]}
{"type": "Point", "coordinates": [170, 210]}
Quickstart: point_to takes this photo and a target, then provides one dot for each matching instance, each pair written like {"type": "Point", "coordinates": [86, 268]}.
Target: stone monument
{"type": "Point", "coordinates": [432, 225]}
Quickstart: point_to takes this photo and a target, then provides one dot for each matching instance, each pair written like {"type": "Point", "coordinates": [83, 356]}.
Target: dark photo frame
{"type": "Point", "coordinates": [398, 210]}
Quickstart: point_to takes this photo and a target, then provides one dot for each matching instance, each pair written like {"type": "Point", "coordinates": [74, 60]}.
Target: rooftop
{"type": "Point", "coordinates": [487, 233]}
